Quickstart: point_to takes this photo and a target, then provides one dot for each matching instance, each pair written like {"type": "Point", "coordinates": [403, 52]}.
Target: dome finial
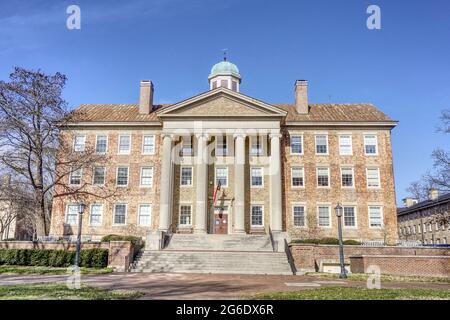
{"type": "Point", "coordinates": [224, 54]}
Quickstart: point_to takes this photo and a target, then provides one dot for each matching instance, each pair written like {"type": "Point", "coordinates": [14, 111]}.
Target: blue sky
{"type": "Point", "coordinates": [404, 68]}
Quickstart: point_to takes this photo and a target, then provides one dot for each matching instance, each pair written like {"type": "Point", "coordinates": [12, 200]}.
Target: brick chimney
{"type": "Point", "coordinates": [409, 201]}
{"type": "Point", "coordinates": [146, 97]}
{"type": "Point", "coordinates": [433, 194]}
{"type": "Point", "coordinates": [301, 96]}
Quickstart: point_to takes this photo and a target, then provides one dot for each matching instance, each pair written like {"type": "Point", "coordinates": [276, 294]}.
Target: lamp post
{"type": "Point", "coordinates": [338, 210]}
{"type": "Point", "coordinates": [80, 220]}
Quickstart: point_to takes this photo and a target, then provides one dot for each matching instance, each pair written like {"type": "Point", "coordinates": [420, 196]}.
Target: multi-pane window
{"type": "Point", "coordinates": [145, 212]}
{"type": "Point", "coordinates": [124, 144]}
{"type": "Point", "coordinates": [299, 216]}
{"type": "Point", "coordinates": [79, 143]}
{"type": "Point", "coordinates": [186, 149]}
{"type": "Point", "coordinates": [373, 177]}
{"type": "Point", "coordinates": [221, 146]}
{"type": "Point", "coordinates": [148, 144]}
{"type": "Point", "coordinates": [224, 83]}
{"type": "Point", "coordinates": [101, 143]}
{"type": "Point", "coordinates": [370, 144]}
{"type": "Point", "coordinates": [256, 148]}
{"type": "Point", "coordinates": [122, 176]}
{"type": "Point", "coordinates": [186, 176]}
{"type": "Point", "coordinates": [99, 176]}
{"type": "Point", "coordinates": [321, 144]}
{"type": "Point", "coordinates": [95, 216]}
{"type": "Point", "coordinates": [298, 177]}
{"type": "Point", "coordinates": [222, 176]}
{"type": "Point", "coordinates": [347, 177]}
{"type": "Point", "coordinates": [257, 216]}
{"type": "Point", "coordinates": [72, 214]}
{"type": "Point", "coordinates": [345, 145]}
{"type": "Point", "coordinates": [75, 177]}
{"type": "Point", "coordinates": [234, 85]}
{"type": "Point", "coordinates": [214, 84]}
{"type": "Point", "coordinates": [147, 176]}
{"type": "Point", "coordinates": [257, 177]}
{"type": "Point", "coordinates": [296, 145]}
{"type": "Point", "coordinates": [324, 216]}
{"type": "Point", "coordinates": [323, 177]}
{"type": "Point", "coordinates": [349, 217]}
{"type": "Point", "coordinates": [120, 213]}
{"type": "Point", "coordinates": [375, 218]}
{"type": "Point", "coordinates": [185, 215]}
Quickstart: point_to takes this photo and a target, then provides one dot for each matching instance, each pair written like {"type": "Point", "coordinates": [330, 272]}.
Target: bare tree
{"type": "Point", "coordinates": [33, 116]}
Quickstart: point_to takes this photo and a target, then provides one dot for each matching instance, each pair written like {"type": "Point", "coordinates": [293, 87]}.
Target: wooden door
{"type": "Point", "coordinates": [220, 222]}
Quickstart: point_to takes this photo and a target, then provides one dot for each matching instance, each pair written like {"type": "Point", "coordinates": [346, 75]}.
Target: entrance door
{"type": "Point", "coordinates": [220, 220]}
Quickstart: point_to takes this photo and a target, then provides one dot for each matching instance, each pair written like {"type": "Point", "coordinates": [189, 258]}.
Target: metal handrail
{"type": "Point", "coordinates": [290, 257]}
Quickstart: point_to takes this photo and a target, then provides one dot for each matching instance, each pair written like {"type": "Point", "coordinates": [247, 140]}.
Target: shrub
{"type": "Point", "coordinates": [352, 242]}
{"type": "Point", "coordinates": [99, 258]}
{"type": "Point", "coordinates": [137, 242]}
{"type": "Point", "coordinates": [331, 241]}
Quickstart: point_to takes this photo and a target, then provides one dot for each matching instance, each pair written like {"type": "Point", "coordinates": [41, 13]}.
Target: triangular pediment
{"type": "Point", "coordinates": [222, 102]}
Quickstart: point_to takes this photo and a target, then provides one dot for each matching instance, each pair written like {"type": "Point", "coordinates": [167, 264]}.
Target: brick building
{"type": "Point", "coordinates": [281, 167]}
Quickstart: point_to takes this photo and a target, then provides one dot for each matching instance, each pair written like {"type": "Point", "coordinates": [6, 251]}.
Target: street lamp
{"type": "Point", "coordinates": [339, 211]}
{"type": "Point", "coordinates": [81, 208]}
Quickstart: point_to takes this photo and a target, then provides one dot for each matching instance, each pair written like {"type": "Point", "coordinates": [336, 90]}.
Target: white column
{"type": "Point", "coordinates": [239, 184]}
{"type": "Point", "coordinates": [201, 184]}
{"type": "Point", "coordinates": [165, 184]}
{"type": "Point", "coordinates": [275, 183]}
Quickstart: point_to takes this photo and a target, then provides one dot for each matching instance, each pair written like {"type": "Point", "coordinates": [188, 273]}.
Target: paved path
{"type": "Point", "coordinates": [204, 286]}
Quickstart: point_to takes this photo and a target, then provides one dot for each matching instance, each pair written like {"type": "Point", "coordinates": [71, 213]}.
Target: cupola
{"type": "Point", "coordinates": [225, 74]}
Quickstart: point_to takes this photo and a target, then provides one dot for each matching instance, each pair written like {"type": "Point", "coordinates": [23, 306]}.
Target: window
{"type": "Point", "coordinates": [370, 144]}
{"type": "Point", "coordinates": [122, 176]}
{"type": "Point", "coordinates": [323, 177]}
{"type": "Point", "coordinates": [99, 176]}
{"type": "Point", "coordinates": [375, 218]}
{"type": "Point", "coordinates": [222, 176]}
{"type": "Point", "coordinates": [256, 146]}
{"type": "Point", "coordinates": [349, 217]}
{"type": "Point", "coordinates": [257, 177]}
{"type": "Point", "coordinates": [148, 144]}
{"type": "Point", "coordinates": [146, 176]}
{"type": "Point", "coordinates": [95, 217]}
{"type": "Point", "coordinates": [120, 213]}
{"type": "Point", "coordinates": [186, 176]}
{"type": "Point", "coordinates": [299, 216]}
{"type": "Point", "coordinates": [214, 84]}
{"type": "Point", "coordinates": [124, 144]}
{"type": "Point", "coordinates": [79, 143]}
{"type": "Point", "coordinates": [185, 215]}
{"type": "Point", "coordinates": [224, 83]}
{"type": "Point", "coordinates": [145, 211]}
{"type": "Point", "coordinates": [186, 149]}
{"type": "Point", "coordinates": [345, 145]}
{"type": "Point", "coordinates": [347, 177]}
{"type": "Point", "coordinates": [221, 146]}
{"type": "Point", "coordinates": [430, 228]}
{"type": "Point", "coordinates": [101, 143]}
{"type": "Point", "coordinates": [234, 85]}
{"type": "Point", "coordinates": [298, 179]}
{"type": "Point", "coordinates": [257, 216]}
{"type": "Point", "coordinates": [424, 228]}
{"type": "Point", "coordinates": [321, 144]}
{"type": "Point", "coordinates": [72, 214]}
{"type": "Point", "coordinates": [324, 216]}
{"type": "Point", "coordinates": [296, 144]}
{"type": "Point", "coordinates": [373, 178]}
{"type": "Point", "coordinates": [75, 177]}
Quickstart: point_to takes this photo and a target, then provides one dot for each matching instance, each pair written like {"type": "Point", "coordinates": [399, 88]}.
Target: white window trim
{"type": "Point", "coordinates": [139, 214]}
{"type": "Point", "coordinates": [114, 215]}
{"type": "Point", "coordinates": [118, 144]}
{"type": "Point", "coordinates": [117, 177]}
{"type": "Point", "coordinates": [251, 180]}
{"type": "Point", "coordinates": [353, 178]}
{"type": "Point", "coordinates": [67, 212]}
{"type": "Point", "coordinates": [101, 215]}
{"type": "Point", "coordinates": [292, 177]}
{"type": "Point", "coordinates": [355, 210]}
{"type": "Point", "coordinates": [305, 213]}
{"type": "Point", "coordinates": [143, 140]}
{"type": "Point", "coordinates": [191, 152]}
{"type": "Point", "coordinates": [315, 144]}
{"type": "Point", "coordinates": [262, 145]}
{"type": "Point", "coordinates": [329, 216]}
{"type": "Point", "coordinates": [93, 176]}
{"type": "Point", "coordinates": [192, 177]}
{"type": "Point", "coordinates": [179, 215]}
{"type": "Point", "coordinates": [215, 175]}
{"type": "Point", "coordinates": [290, 145]}
{"type": "Point", "coordinates": [227, 150]}
{"type": "Point", "coordinates": [367, 178]}
{"type": "Point", "coordinates": [75, 140]}
{"type": "Point", "coordinates": [251, 212]}
{"type": "Point", "coordinates": [351, 144]}
{"type": "Point", "coordinates": [376, 144]}
{"type": "Point", "coordinates": [381, 216]}
{"type": "Point", "coordinates": [140, 177]}
{"type": "Point", "coordinates": [81, 178]}
{"type": "Point", "coordinates": [317, 178]}
{"type": "Point", "coordinates": [107, 143]}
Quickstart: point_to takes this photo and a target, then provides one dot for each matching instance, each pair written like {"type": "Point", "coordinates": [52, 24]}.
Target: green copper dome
{"type": "Point", "coordinates": [224, 68]}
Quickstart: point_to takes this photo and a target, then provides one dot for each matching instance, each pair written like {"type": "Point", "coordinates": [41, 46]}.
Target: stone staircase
{"type": "Point", "coordinates": [226, 254]}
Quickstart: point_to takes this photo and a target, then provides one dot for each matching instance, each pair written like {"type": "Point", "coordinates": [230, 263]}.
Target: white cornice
{"type": "Point", "coordinates": [341, 123]}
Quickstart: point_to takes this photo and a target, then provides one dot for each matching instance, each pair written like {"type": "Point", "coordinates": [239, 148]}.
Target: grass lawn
{"type": "Point", "coordinates": [61, 292]}
{"type": "Point", "coordinates": [48, 270]}
{"type": "Point", "coordinates": [384, 278]}
{"type": "Point", "coordinates": [346, 293]}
